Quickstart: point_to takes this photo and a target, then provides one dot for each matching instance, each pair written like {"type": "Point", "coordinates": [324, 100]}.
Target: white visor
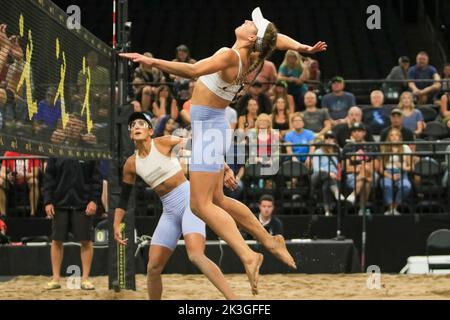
{"type": "Point", "coordinates": [261, 24]}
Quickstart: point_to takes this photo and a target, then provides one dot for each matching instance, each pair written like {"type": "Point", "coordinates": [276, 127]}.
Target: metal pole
{"type": "Point", "coordinates": [362, 201]}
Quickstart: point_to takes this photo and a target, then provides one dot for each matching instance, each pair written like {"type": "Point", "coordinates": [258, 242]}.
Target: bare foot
{"type": "Point", "coordinates": [252, 270]}
{"type": "Point", "coordinates": [278, 249]}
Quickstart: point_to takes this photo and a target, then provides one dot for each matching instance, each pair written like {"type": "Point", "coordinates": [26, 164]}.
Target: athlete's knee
{"type": "Point", "coordinates": [195, 257]}
{"type": "Point", "coordinates": [196, 205]}
{"type": "Point", "coordinates": [154, 269]}
{"type": "Point", "coordinates": [219, 201]}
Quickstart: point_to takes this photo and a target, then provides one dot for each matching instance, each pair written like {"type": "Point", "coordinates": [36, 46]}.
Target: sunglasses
{"type": "Point", "coordinates": [139, 122]}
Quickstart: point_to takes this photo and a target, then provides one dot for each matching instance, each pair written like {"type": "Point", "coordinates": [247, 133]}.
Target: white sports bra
{"type": "Point", "coordinates": [156, 167]}
{"type": "Point", "coordinates": [225, 90]}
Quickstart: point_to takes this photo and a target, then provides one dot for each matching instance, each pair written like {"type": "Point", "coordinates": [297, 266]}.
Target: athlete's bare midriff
{"type": "Point", "coordinates": [202, 96]}
{"type": "Point", "coordinates": [170, 184]}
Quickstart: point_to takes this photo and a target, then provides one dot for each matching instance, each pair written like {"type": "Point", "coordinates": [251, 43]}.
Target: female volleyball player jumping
{"type": "Point", "coordinates": [220, 77]}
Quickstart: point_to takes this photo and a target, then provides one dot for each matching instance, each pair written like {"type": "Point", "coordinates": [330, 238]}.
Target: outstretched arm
{"type": "Point", "coordinates": [286, 43]}
{"type": "Point", "coordinates": [209, 65]}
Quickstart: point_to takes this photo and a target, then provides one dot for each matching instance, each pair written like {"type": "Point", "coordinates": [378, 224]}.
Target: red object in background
{"type": "Point", "coordinates": [2, 226]}
{"type": "Point", "coordinates": [24, 167]}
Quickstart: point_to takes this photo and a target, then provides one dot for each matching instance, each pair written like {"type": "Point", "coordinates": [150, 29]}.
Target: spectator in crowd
{"type": "Point", "coordinates": [272, 224]}
{"type": "Point", "coordinates": [397, 123]}
{"type": "Point", "coordinates": [166, 126]}
{"type": "Point", "coordinates": [267, 76]}
{"type": "Point", "coordinates": [74, 134]}
{"type": "Point", "coordinates": [445, 95]}
{"type": "Point", "coordinates": [314, 75]}
{"type": "Point", "coordinates": [181, 85]}
{"type": "Point", "coordinates": [165, 103]}
{"type": "Point", "coordinates": [280, 90]}
{"type": "Point", "coordinates": [299, 135]}
{"type": "Point", "coordinates": [326, 170]}
{"type": "Point", "coordinates": [376, 116]}
{"type": "Point", "coordinates": [254, 92]}
{"type": "Point", "coordinates": [343, 130]}
{"type": "Point", "coordinates": [412, 118]}
{"type": "Point", "coordinates": [20, 172]}
{"type": "Point", "coordinates": [152, 78]}
{"type": "Point", "coordinates": [13, 110]}
{"type": "Point", "coordinates": [338, 101]}
{"type": "Point", "coordinates": [280, 117]}
{"type": "Point", "coordinates": [295, 73]}
{"type": "Point", "coordinates": [248, 120]}
{"type": "Point", "coordinates": [399, 72]}
{"type": "Point", "coordinates": [264, 140]}
{"type": "Point", "coordinates": [361, 168]}
{"type": "Point", "coordinates": [142, 95]}
{"type": "Point", "coordinates": [185, 111]}
{"type": "Point", "coordinates": [394, 169]}
{"type": "Point", "coordinates": [423, 91]}
{"type": "Point", "coordinates": [11, 66]}
{"type": "Point", "coordinates": [146, 83]}
{"type": "Point", "coordinates": [46, 119]}
{"type": "Point", "coordinates": [100, 78]}
{"type": "Point", "coordinates": [316, 120]}
{"type": "Point", "coordinates": [72, 191]}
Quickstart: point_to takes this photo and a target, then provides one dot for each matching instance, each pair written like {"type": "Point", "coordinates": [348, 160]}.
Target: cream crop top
{"type": "Point", "coordinates": [225, 90]}
{"type": "Point", "coordinates": [156, 167]}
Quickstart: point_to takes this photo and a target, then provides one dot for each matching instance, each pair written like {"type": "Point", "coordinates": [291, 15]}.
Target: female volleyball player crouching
{"type": "Point", "coordinates": [154, 164]}
{"type": "Point", "coordinates": [220, 78]}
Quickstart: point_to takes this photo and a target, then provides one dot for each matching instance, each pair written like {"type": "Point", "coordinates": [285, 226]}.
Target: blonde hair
{"type": "Point", "coordinates": [263, 117]}
{"type": "Point", "coordinates": [299, 63]}
{"type": "Point", "coordinates": [400, 103]}
{"type": "Point", "coordinates": [299, 115]}
{"type": "Point", "coordinates": [388, 148]}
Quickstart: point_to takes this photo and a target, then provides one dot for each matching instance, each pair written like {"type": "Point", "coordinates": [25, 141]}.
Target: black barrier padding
{"type": "Point", "coordinates": [61, 80]}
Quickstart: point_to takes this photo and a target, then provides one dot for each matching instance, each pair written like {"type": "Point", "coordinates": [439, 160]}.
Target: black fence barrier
{"type": "Point", "coordinates": [55, 84]}
{"type": "Point", "coordinates": [327, 180]}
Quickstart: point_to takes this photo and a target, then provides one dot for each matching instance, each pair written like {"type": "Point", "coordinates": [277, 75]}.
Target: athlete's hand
{"type": "Point", "coordinates": [138, 58]}
{"type": "Point", "coordinates": [50, 211]}
{"type": "Point", "coordinates": [229, 180]}
{"type": "Point", "coordinates": [318, 47]}
{"type": "Point", "coordinates": [118, 235]}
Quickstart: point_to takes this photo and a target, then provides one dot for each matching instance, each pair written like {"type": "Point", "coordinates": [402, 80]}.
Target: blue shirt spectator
{"type": "Point", "coordinates": [410, 122]}
{"type": "Point", "coordinates": [299, 136]}
{"type": "Point", "coordinates": [426, 72]}
{"type": "Point", "coordinates": [48, 113]}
